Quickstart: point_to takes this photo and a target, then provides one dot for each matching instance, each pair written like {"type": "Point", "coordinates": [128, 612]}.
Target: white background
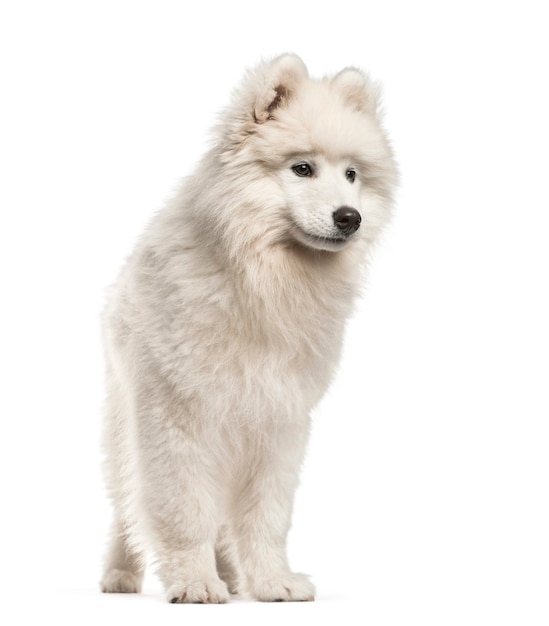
{"type": "Point", "coordinates": [424, 498]}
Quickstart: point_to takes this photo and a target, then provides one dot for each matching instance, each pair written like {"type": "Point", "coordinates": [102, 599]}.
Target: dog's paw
{"type": "Point", "coordinates": [212, 591]}
{"type": "Point", "coordinates": [287, 587]}
{"type": "Point", "coordinates": [120, 581]}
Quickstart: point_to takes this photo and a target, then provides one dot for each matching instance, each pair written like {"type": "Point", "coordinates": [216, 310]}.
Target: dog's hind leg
{"type": "Point", "coordinates": [125, 561]}
{"type": "Point", "coordinates": [125, 567]}
{"type": "Point", "coordinates": [227, 562]}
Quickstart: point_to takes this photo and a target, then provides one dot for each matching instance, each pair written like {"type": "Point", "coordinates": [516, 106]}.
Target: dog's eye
{"type": "Point", "coordinates": [350, 175]}
{"type": "Point", "coordinates": [302, 169]}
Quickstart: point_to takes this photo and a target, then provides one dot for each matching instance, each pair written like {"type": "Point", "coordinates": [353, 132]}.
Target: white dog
{"type": "Point", "coordinates": [224, 329]}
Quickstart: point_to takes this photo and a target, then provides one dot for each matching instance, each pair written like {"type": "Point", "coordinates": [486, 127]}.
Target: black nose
{"type": "Point", "coordinates": [347, 219]}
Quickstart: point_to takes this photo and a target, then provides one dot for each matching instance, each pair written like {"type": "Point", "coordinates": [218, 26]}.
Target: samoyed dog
{"type": "Point", "coordinates": [225, 326]}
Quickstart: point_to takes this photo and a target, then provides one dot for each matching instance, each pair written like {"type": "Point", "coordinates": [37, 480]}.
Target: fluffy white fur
{"type": "Point", "coordinates": [223, 331]}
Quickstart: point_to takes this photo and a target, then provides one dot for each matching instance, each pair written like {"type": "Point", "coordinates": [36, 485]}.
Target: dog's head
{"type": "Point", "coordinates": [314, 153]}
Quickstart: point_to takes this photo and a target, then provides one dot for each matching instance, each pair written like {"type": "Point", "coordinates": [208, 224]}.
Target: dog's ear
{"type": "Point", "coordinates": [358, 90]}
{"type": "Point", "coordinates": [280, 81]}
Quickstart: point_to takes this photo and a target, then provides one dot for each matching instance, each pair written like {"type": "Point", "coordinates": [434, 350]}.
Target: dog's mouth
{"type": "Point", "coordinates": [332, 244]}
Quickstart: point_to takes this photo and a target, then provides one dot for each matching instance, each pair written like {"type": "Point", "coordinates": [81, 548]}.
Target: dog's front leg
{"type": "Point", "coordinates": [264, 518]}
{"type": "Point", "coordinates": [179, 498]}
